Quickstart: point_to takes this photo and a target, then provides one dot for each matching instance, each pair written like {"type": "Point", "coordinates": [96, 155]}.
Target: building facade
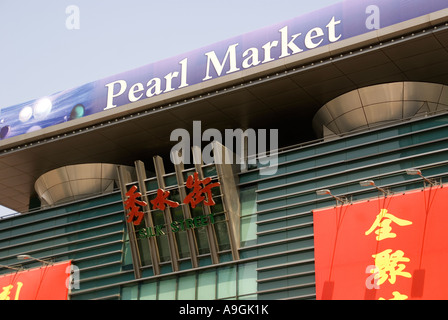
{"type": "Point", "coordinates": [104, 192]}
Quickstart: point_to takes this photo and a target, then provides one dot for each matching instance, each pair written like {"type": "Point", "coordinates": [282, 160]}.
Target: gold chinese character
{"type": "Point", "coordinates": [382, 222]}
{"type": "Point", "coordinates": [7, 291]}
{"type": "Point", "coordinates": [389, 267]}
{"type": "Point", "coordinates": [397, 296]}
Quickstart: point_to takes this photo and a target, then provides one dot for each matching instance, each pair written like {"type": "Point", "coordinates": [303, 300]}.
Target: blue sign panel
{"type": "Point", "coordinates": [316, 29]}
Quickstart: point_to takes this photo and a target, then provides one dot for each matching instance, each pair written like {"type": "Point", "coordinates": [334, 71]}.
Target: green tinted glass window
{"type": "Point", "coordinates": [226, 282]}
{"type": "Point", "coordinates": [206, 285]}
{"type": "Point", "coordinates": [247, 278]}
{"type": "Point", "coordinates": [187, 287]}
{"type": "Point", "coordinates": [148, 291]}
{"type": "Point", "coordinates": [167, 289]}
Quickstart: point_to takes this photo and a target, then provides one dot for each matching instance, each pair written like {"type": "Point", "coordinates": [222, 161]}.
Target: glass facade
{"type": "Point", "coordinates": [276, 244]}
{"type": "Point", "coordinates": [226, 282]}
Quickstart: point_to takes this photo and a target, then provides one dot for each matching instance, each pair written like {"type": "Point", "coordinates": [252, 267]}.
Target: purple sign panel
{"type": "Point", "coordinates": [319, 28]}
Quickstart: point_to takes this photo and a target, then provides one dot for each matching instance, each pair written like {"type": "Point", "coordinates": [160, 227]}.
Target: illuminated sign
{"type": "Point", "coordinates": [384, 249]}
{"type": "Point", "coordinates": [45, 283]}
{"type": "Point", "coordinates": [340, 21]}
{"type": "Point", "coordinates": [201, 193]}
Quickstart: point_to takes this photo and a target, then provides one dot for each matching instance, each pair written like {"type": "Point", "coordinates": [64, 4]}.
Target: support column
{"type": "Point", "coordinates": [191, 237]}
{"type": "Point", "coordinates": [123, 179]}
{"type": "Point", "coordinates": [228, 180]}
{"type": "Point", "coordinates": [210, 229]}
{"type": "Point", "coordinates": [154, 250]}
{"type": "Point", "coordinates": [174, 253]}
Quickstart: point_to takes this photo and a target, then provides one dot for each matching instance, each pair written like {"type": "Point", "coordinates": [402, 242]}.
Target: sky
{"type": "Point", "coordinates": [51, 45]}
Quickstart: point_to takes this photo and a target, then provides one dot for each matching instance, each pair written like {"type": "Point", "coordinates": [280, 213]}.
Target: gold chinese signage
{"type": "Point", "coordinates": [392, 248]}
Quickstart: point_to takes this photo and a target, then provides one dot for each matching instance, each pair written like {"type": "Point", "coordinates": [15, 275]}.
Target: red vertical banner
{"type": "Point", "coordinates": [393, 247]}
{"type": "Point", "coordinates": [44, 283]}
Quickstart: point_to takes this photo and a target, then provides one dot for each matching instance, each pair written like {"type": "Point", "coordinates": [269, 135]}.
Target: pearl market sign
{"type": "Point", "coordinates": [201, 193]}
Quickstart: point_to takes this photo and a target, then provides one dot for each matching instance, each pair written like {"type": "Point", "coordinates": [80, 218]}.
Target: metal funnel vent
{"type": "Point", "coordinates": [375, 105]}
{"type": "Point", "coordinates": [74, 182]}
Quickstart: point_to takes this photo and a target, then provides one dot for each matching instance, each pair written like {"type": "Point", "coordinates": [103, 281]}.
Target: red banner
{"type": "Point", "coordinates": [45, 283]}
{"type": "Point", "coordinates": [392, 247]}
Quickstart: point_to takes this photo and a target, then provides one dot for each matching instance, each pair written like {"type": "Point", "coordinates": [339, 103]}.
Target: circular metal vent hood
{"type": "Point", "coordinates": [372, 106]}
{"type": "Point", "coordinates": [75, 182]}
